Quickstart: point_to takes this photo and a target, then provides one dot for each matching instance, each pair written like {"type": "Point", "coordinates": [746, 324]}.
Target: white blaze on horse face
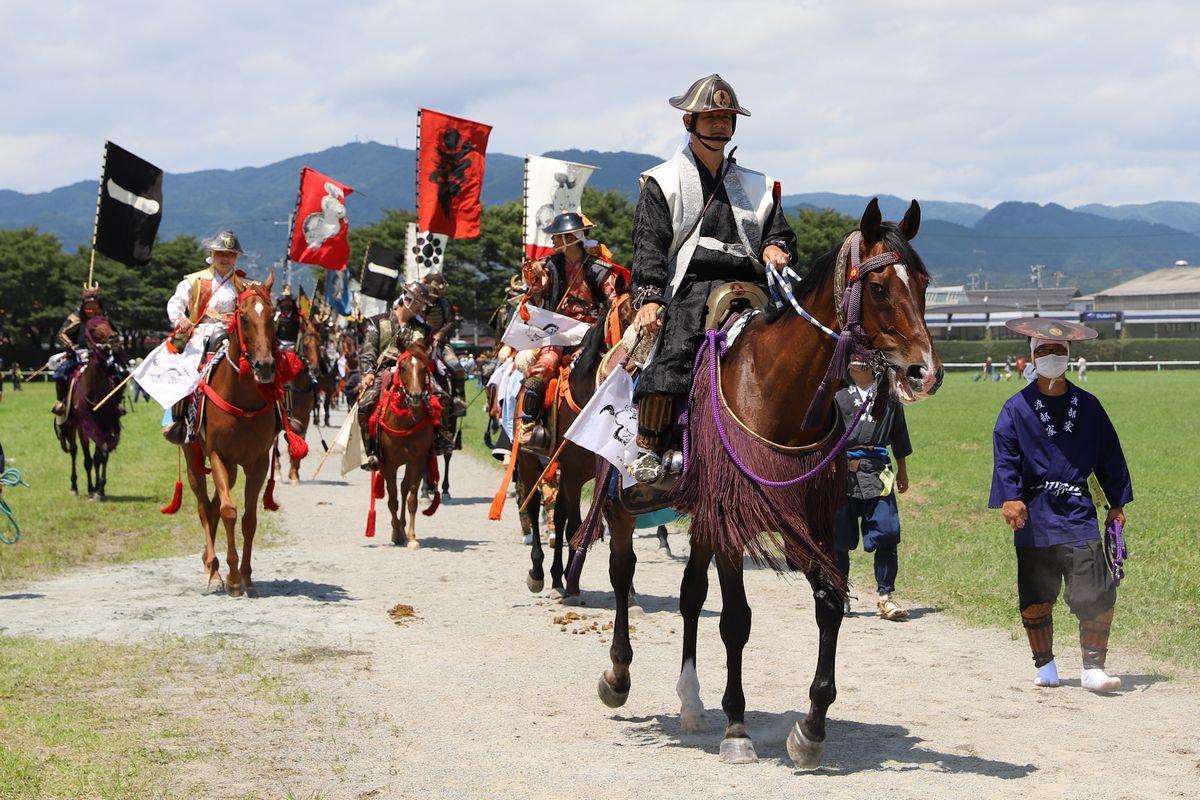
{"type": "Point", "coordinates": [121, 194]}
{"type": "Point", "coordinates": [902, 272]}
{"type": "Point", "coordinates": [258, 307]}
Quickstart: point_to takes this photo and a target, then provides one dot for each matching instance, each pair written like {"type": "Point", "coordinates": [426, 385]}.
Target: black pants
{"type": "Point", "coordinates": [1042, 571]}
{"type": "Point", "coordinates": [670, 372]}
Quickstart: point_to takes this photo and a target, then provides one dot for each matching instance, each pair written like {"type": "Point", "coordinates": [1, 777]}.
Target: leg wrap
{"type": "Point", "coordinates": [654, 415]}
{"type": "Point", "coordinates": [1039, 627]}
{"type": "Point", "coordinates": [1093, 639]}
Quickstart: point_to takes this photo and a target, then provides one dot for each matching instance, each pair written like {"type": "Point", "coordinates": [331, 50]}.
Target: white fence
{"type": "Point", "coordinates": [1113, 366]}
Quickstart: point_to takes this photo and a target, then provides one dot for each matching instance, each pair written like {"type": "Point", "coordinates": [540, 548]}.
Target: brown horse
{"type": "Point", "coordinates": [325, 370]}
{"type": "Point", "coordinates": [301, 397]}
{"type": "Point", "coordinates": [404, 421]}
{"type": "Point", "coordinates": [92, 426]}
{"type": "Point", "coordinates": [779, 367]}
{"type": "Point", "coordinates": [576, 466]}
{"type": "Point", "coordinates": [238, 429]}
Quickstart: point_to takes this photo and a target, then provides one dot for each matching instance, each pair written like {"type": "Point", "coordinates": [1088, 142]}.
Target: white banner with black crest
{"type": "Point", "coordinates": [552, 186]}
{"type": "Point", "coordinates": [543, 328]}
{"type": "Point", "coordinates": [425, 252]}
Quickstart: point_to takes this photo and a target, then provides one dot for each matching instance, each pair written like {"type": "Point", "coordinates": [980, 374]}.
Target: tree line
{"type": "Point", "coordinates": [40, 284]}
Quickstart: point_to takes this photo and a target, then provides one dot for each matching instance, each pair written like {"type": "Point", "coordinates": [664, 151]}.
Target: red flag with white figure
{"type": "Point", "coordinates": [450, 159]}
{"type": "Point", "coordinates": [319, 228]}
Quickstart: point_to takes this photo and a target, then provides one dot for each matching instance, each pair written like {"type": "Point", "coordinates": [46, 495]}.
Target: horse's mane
{"type": "Point", "coordinates": [824, 264]}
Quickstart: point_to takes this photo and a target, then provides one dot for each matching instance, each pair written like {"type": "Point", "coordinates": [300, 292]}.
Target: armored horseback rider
{"type": "Point", "coordinates": [200, 309]}
{"type": "Point", "coordinates": [72, 337]}
{"type": "Point", "coordinates": [289, 321]}
{"type": "Point", "coordinates": [443, 320]}
{"type": "Point", "coordinates": [388, 335]}
{"type": "Point", "coordinates": [702, 220]}
{"type": "Point", "coordinates": [574, 282]}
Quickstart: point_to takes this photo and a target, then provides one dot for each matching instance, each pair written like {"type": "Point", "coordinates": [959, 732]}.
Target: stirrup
{"type": "Point", "coordinates": [459, 407]}
{"type": "Point", "coordinates": [646, 468]}
{"type": "Point", "coordinates": [535, 438]}
{"type": "Point", "coordinates": [176, 434]}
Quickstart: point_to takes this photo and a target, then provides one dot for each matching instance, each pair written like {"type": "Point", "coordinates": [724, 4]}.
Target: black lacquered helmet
{"type": "Point", "coordinates": [567, 222]}
{"type": "Point", "coordinates": [225, 241]}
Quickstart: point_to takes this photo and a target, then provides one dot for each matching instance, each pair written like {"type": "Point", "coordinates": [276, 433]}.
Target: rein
{"type": "Point", "coordinates": [395, 397]}
{"type": "Point", "coordinates": [714, 340]}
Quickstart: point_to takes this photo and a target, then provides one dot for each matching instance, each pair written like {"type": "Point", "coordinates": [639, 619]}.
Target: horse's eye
{"type": "Point", "coordinates": [878, 290]}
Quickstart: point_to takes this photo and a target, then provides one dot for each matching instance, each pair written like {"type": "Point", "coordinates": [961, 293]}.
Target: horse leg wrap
{"type": "Point", "coordinates": [1038, 620]}
{"type": "Point", "coordinates": [1093, 639]}
{"type": "Point", "coordinates": [654, 415]}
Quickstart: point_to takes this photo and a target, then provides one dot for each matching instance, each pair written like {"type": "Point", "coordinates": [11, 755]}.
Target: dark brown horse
{"type": "Point", "coordinates": [94, 427]}
{"type": "Point", "coordinates": [301, 397]}
{"type": "Point", "coordinates": [576, 466]}
{"type": "Point", "coordinates": [404, 421]}
{"type": "Point", "coordinates": [752, 445]}
{"type": "Point", "coordinates": [238, 429]}
{"type": "Point", "coordinates": [325, 370]}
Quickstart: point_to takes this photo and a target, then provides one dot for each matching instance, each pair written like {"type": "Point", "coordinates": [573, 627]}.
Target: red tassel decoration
{"type": "Point", "coordinates": [371, 520]}
{"type": "Point", "coordinates": [376, 492]}
{"type": "Point", "coordinates": [177, 498]}
{"type": "Point", "coordinates": [377, 484]}
{"type": "Point", "coordinates": [297, 447]}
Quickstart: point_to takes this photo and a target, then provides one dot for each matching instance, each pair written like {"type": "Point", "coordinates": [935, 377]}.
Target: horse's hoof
{"type": "Point", "coordinates": [293, 481]}
{"type": "Point", "coordinates": [75, 492]}
{"type": "Point", "coordinates": [534, 584]}
{"type": "Point", "coordinates": [610, 696]}
{"type": "Point", "coordinates": [805, 753]}
{"type": "Point", "coordinates": [413, 544]}
{"type": "Point", "coordinates": [637, 611]}
{"type": "Point", "coordinates": [251, 590]}
{"type": "Point", "coordinates": [234, 590]}
{"type": "Point", "coordinates": [571, 600]}
{"type": "Point", "coordinates": [738, 751]}
{"type": "Point", "coordinates": [398, 541]}
{"type": "Point", "coordinates": [691, 721]}
{"type": "Point", "coordinates": [528, 539]}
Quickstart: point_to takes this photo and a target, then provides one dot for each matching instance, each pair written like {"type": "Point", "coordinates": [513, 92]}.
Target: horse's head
{"type": "Point", "coordinates": [310, 347]}
{"type": "Point", "coordinates": [99, 331]}
{"type": "Point", "coordinates": [893, 305]}
{"type": "Point", "coordinates": [412, 372]}
{"type": "Point", "coordinates": [254, 327]}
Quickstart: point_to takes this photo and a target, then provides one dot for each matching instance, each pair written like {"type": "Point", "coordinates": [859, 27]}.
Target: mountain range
{"type": "Point", "coordinates": [1094, 245]}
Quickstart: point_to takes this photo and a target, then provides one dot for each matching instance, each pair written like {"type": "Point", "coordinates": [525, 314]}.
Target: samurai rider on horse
{"type": "Point", "coordinates": [73, 337]}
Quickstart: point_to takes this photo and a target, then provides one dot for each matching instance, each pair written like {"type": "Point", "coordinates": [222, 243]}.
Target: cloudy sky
{"type": "Point", "coordinates": [1068, 102]}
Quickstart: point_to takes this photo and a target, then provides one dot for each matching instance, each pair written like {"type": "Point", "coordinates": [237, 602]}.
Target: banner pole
{"type": "Point", "coordinates": [108, 396]}
{"type": "Point", "coordinates": [287, 247]}
{"type": "Point", "coordinates": [96, 221]}
{"type": "Point", "coordinates": [525, 211]}
{"type": "Point", "coordinates": [545, 473]}
{"type": "Point", "coordinates": [417, 174]}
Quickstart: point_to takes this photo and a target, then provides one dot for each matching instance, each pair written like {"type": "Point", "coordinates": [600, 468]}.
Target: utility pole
{"type": "Point", "coordinates": [1035, 277]}
{"type": "Point", "coordinates": [1058, 276]}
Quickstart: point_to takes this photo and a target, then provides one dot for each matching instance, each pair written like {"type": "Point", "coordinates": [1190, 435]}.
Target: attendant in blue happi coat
{"type": "Point", "coordinates": [870, 509]}
{"type": "Point", "coordinates": [1048, 439]}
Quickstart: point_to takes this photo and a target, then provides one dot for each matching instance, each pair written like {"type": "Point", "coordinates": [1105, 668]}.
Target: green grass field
{"type": "Point", "coordinates": [60, 530]}
{"type": "Point", "coordinates": [957, 555]}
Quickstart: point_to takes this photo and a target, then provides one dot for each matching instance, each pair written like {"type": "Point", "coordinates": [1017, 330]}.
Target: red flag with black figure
{"type": "Point", "coordinates": [319, 228]}
{"type": "Point", "coordinates": [450, 159]}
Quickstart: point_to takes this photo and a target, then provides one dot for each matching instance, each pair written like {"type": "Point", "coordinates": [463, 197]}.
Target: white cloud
{"type": "Point", "coordinates": [1069, 102]}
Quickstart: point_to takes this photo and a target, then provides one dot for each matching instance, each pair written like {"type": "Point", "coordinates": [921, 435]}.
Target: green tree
{"type": "Point", "coordinates": [33, 288]}
{"type": "Point", "coordinates": [613, 217]}
{"type": "Point", "coordinates": [818, 230]}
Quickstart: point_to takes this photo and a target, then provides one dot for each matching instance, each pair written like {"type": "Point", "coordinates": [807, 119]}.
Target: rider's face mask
{"type": "Point", "coordinates": [1052, 363]}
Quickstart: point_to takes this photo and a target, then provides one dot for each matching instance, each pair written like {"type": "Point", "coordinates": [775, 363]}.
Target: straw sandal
{"type": "Point", "coordinates": [890, 609]}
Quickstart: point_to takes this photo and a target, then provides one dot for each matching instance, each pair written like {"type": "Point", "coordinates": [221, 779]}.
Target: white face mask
{"type": "Point", "coordinates": [1051, 366]}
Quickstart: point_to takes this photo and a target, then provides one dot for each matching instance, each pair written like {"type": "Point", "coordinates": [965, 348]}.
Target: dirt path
{"type": "Point", "coordinates": [483, 694]}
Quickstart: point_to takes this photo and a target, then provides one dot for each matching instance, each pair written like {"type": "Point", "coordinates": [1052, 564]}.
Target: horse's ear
{"type": "Point", "coordinates": [270, 281]}
{"type": "Point", "coordinates": [238, 284]}
{"type": "Point", "coordinates": [870, 224]}
{"type": "Point", "coordinates": [911, 222]}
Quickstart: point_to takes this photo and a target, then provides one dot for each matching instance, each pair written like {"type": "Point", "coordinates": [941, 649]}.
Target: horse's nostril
{"type": "Point", "coordinates": [915, 373]}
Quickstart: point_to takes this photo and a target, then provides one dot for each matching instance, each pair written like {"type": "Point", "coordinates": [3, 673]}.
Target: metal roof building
{"type": "Point", "coordinates": [1163, 289]}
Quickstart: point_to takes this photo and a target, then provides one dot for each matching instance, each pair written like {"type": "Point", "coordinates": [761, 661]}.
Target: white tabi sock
{"type": "Point", "coordinates": [1047, 675]}
{"type": "Point", "coordinates": [1096, 680]}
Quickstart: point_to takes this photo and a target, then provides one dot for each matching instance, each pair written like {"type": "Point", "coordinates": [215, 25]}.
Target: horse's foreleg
{"type": "Point", "coordinates": [87, 465]}
{"type": "Point", "coordinates": [446, 476]}
{"type": "Point", "coordinates": [736, 747]}
{"type": "Point", "coordinates": [390, 470]}
{"type": "Point", "coordinates": [560, 526]}
{"type": "Point", "coordinates": [208, 521]}
{"type": "Point", "coordinates": [806, 741]}
{"type": "Point", "coordinates": [101, 466]}
{"type": "Point", "coordinates": [412, 490]}
{"type": "Point", "coordinates": [535, 579]}
{"type": "Point", "coordinates": [615, 683]}
{"type": "Point", "coordinates": [74, 467]}
{"type": "Point", "coordinates": [224, 479]}
{"type": "Point", "coordinates": [693, 591]}
{"type": "Point", "coordinates": [256, 476]}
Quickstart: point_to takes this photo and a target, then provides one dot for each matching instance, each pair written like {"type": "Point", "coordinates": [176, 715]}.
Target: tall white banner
{"type": "Point", "coordinates": [552, 186]}
{"type": "Point", "coordinates": [424, 252]}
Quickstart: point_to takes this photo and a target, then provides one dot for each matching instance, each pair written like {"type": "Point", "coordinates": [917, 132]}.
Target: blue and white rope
{"type": "Point", "coordinates": [782, 282]}
{"type": "Point", "coordinates": [10, 477]}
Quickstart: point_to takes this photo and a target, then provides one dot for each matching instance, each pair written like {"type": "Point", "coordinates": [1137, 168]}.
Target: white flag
{"type": "Point", "coordinates": [424, 252]}
{"type": "Point", "coordinates": [607, 425]}
{"type": "Point", "coordinates": [552, 186]}
{"type": "Point", "coordinates": [169, 377]}
{"type": "Point", "coordinates": [543, 328]}
{"type": "Point", "coordinates": [349, 439]}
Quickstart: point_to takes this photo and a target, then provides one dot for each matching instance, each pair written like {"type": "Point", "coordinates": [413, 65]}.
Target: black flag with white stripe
{"type": "Point", "coordinates": [130, 207]}
{"type": "Point", "coordinates": [381, 272]}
